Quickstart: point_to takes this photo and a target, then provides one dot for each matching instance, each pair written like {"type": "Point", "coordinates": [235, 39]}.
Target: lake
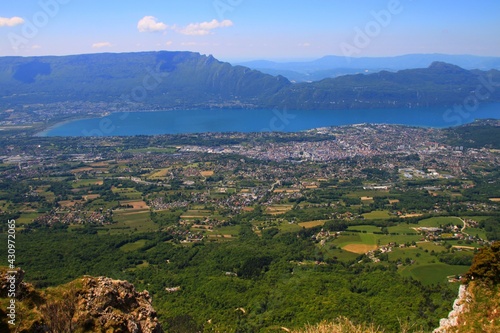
{"type": "Point", "coordinates": [229, 120]}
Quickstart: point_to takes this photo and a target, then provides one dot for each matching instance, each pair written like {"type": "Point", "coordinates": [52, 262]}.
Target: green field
{"type": "Point", "coordinates": [433, 273]}
{"type": "Point", "coordinates": [476, 231]}
{"type": "Point", "coordinates": [340, 254]}
{"type": "Point", "coordinates": [289, 227]}
{"type": "Point", "coordinates": [367, 193]}
{"type": "Point", "coordinates": [232, 230]}
{"type": "Point", "coordinates": [430, 246]}
{"type": "Point", "coordinates": [441, 220]}
{"type": "Point", "coordinates": [84, 182]}
{"type": "Point", "coordinates": [403, 228]}
{"type": "Point", "coordinates": [373, 239]}
{"type": "Point", "coordinates": [356, 238]}
{"type": "Point", "coordinates": [138, 222]}
{"type": "Point", "coordinates": [27, 218]}
{"type": "Point", "coordinates": [129, 247]}
{"type": "Point", "coordinates": [377, 215]}
{"type": "Point", "coordinates": [128, 193]}
{"type": "Point", "coordinates": [400, 239]}
{"type": "Point", "coordinates": [367, 228]}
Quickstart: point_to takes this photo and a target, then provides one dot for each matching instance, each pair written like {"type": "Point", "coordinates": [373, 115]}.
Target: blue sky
{"type": "Point", "coordinates": [238, 30]}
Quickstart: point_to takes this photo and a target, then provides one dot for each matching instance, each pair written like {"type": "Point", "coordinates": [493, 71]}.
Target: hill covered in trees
{"type": "Point", "coordinates": [162, 80]}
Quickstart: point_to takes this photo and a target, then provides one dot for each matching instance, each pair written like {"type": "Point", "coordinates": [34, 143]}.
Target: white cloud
{"type": "Point", "coordinates": [150, 24]}
{"type": "Point", "coordinates": [169, 43]}
{"type": "Point", "coordinates": [305, 44]}
{"type": "Point", "coordinates": [101, 45]}
{"type": "Point", "coordinates": [11, 22]}
{"type": "Point", "coordinates": [204, 28]}
{"type": "Point", "coordinates": [36, 47]}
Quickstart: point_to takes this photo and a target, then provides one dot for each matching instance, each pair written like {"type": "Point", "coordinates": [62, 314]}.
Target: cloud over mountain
{"type": "Point", "coordinates": [150, 24]}
{"type": "Point", "coordinates": [204, 28]}
{"type": "Point", "coordinates": [101, 45]}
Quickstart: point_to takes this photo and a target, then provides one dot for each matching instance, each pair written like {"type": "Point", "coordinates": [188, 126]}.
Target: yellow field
{"type": "Point", "coordinates": [495, 199]}
{"type": "Point", "coordinates": [312, 224]}
{"type": "Point", "coordinates": [100, 164]}
{"type": "Point", "coordinates": [207, 173]}
{"type": "Point", "coordinates": [464, 247]}
{"type": "Point", "coordinates": [160, 173]}
{"type": "Point", "coordinates": [359, 248]}
{"type": "Point", "coordinates": [85, 169]}
{"type": "Point", "coordinates": [366, 198]}
{"type": "Point", "coordinates": [195, 214]}
{"type": "Point", "coordinates": [410, 215]}
{"type": "Point", "coordinates": [278, 209]}
{"type": "Point", "coordinates": [220, 236]}
{"type": "Point", "coordinates": [286, 190]}
{"type": "Point", "coordinates": [393, 201]}
{"type": "Point", "coordinates": [139, 204]}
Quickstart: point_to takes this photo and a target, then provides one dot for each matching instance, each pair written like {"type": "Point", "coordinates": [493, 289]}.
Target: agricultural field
{"type": "Point", "coordinates": [127, 193]}
{"type": "Point", "coordinates": [439, 221]}
{"type": "Point", "coordinates": [278, 209]}
{"type": "Point", "coordinates": [159, 174]}
{"type": "Point", "coordinates": [27, 218]}
{"type": "Point", "coordinates": [86, 182]}
{"type": "Point", "coordinates": [312, 224]}
{"type": "Point", "coordinates": [433, 273]}
{"type": "Point", "coordinates": [196, 214]}
{"type": "Point", "coordinates": [364, 228]}
{"type": "Point", "coordinates": [131, 222]}
{"type": "Point", "coordinates": [377, 215]}
{"type": "Point", "coordinates": [130, 247]}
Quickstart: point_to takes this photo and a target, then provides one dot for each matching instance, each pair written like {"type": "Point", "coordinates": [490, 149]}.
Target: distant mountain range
{"type": "Point", "coordinates": [163, 80]}
{"type": "Point", "coordinates": [333, 66]}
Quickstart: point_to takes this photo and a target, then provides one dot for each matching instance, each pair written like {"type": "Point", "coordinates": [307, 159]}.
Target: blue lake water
{"type": "Point", "coordinates": [228, 120]}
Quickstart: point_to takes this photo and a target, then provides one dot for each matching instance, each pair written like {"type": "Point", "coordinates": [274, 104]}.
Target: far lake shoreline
{"type": "Point", "coordinates": [259, 120]}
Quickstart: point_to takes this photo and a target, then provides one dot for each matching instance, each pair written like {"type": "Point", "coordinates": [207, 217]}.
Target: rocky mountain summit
{"type": "Point", "coordinates": [89, 304]}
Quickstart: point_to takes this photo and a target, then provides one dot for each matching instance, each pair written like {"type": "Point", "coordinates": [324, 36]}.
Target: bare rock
{"type": "Point", "coordinates": [114, 304]}
{"type": "Point", "coordinates": [459, 307]}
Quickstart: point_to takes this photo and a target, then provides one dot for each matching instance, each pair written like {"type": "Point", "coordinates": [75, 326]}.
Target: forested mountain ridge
{"type": "Point", "coordinates": [440, 84]}
{"type": "Point", "coordinates": [164, 80]}
{"type": "Point", "coordinates": [169, 79]}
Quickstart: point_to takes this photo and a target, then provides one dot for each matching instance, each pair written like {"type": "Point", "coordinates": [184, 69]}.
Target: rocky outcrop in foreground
{"type": "Point", "coordinates": [459, 307]}
{"type": "Point", "coordinates": [115, 304]}
{"type": "Point", "coordinates": [89, 304]}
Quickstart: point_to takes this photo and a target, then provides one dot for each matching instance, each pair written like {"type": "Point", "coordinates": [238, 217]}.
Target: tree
{"type": "Point", "coordinates": [486, 265]}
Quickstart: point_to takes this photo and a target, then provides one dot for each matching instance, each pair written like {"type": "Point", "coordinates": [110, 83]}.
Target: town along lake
{"type": "Point", "coordinates": [245, 120]}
